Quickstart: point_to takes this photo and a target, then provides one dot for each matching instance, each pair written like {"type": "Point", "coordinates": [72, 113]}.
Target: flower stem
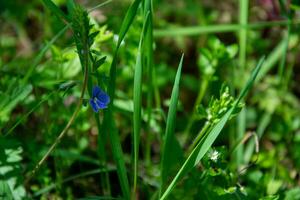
{"type": "Point", "coordinates": [199, 136]}
{"type": "Point", "coordinates": [63, 132]}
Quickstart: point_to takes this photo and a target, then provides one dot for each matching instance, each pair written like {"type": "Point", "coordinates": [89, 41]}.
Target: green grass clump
{"type": "Point", "coordinates": [92, 105]}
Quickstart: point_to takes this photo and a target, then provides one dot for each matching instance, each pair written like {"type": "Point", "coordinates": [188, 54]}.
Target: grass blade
{"type": "Point", "coordinates": [148, 62]}
{"type": "Point", "coordinates": [131, 13]}
{"type": "Point", "coordinates": [137, 103]}
{"type": "Point", "coordinates": [216, 28]}
{"type": "Point", "coordinates": [28, 113]}
{"type": "Point", "coordinates": [71, 178]}
{"type": "Point", "coordinates": [124, 28]}
{"type": "Point", "coordinates": [169, 138]}
{"type": "Point", "coordinates": [203, 146]}
{"type": "Point", "coordinates": [272, 60]}
{"type": "Point", "coordinates": [108, 120]}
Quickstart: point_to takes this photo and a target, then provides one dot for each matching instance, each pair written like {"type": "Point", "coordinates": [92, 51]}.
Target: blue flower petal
{"type": "Point", "coordinates": [94, 106]}
{"type": "Point", "coordinates": [99, 99]}
{"type": "Point", "coordinates": [103, 97]}
{"type": "Point", "coordinates": [96, 91]}
{"type": "Point", "coordinates": [100, 104]}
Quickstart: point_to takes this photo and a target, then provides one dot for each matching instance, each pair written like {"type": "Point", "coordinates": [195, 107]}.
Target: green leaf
{"type": "Point", "coordinates": [292, 194]}
{"type": "Point", "coordinates": [92, 36]}
{"type": "Point", "coordinates": [10, 170]}
{"type": "Point", "coordinates": [5, 192]}
{"type": "Point", "coordinates": [99, 62]}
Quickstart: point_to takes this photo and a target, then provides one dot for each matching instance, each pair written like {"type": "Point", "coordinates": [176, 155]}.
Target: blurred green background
{"type": "Point", "coordinates": [222, 42]}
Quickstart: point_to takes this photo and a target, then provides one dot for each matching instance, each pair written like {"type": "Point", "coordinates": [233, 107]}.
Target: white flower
{"type": "Point", "coordinates": [214, 156]}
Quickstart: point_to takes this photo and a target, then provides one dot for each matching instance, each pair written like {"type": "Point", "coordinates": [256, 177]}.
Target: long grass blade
{"type": "Point", "coordinates": [137, 103]}
{"type": "Point", "coordinates": [203, 146]}
{"type": "Point", "coordinates": [169, 138]}
{"type": "Point", "coordinates": [148, 62]}
{"type": "Point", "coordinates": [108, 120]}
{"type": "Point", "coordinates": [28, 113]}
{"type": "Point", "coordinates": [217, 28]}
{"type": "Point", "coordinates": [131, 13]}
{"type": "Point", "coordinates": [271, 60]}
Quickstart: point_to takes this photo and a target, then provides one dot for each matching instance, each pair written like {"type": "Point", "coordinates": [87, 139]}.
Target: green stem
{"type": "Point", "coordinates": [202, 91]}
{"type": "Point", "coordinates": [27, 114]}
{"type": "Point", "coordinates": [78, 106]}
{"type": "Point", "coordinates": [241, 120]}
{"type": "Point", "coordinates": [199, 136]}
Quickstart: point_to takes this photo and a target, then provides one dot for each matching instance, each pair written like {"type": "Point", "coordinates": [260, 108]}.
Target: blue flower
{"type": "Point", "coordinates": [99, 99]}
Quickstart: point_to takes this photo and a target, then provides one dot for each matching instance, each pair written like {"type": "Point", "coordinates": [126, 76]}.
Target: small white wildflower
{"type": "Point", "coordinates": [214, 156]}
{"type": "Point", "coordinates": [225, 95]}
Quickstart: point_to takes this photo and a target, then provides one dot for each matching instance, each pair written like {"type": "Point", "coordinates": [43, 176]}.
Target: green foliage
{"type": "Point", "coordinates": [11, 186]}
{"type": "Point", "coordinates": [167, 133]}
{"type": "Point", "coordinates": [214, 55]}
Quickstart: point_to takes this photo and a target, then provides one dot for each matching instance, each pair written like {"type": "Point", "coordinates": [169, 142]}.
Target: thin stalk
{"type": "Point", "coordinates": [199, 136]}
{"type": "Point", "coordinates": [240, 132]}
{"type": "Point", "coordinates": [243, 32]}
{"type": "Point", "coordinates": [264, 122]}
{"type": "Point", "coordinates": [71, 178]}
{"type": "Point", "coordinates": [27, 114]}
{"type": "Point", "coordinates": [241, 120]}
{"type": "Point", "coordinates": [156, 90]}
{"type": "Point", "coordinates": [217, 28]}
{"type": "Point", "coordinates": [78, 106]}
{"type": "Point", "coordinates": [99, 5]}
